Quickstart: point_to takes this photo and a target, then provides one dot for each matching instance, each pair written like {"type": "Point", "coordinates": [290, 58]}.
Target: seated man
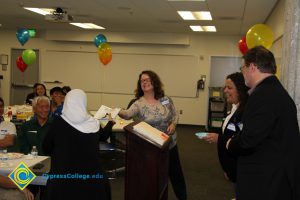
{"type": "Point", "coordinates": [9, 191]}
{"type": "Point", "coordinates": [7, 130]}
{"type": "Point", "coordinates": [32, 132]}
{"type": "Point", "coordinates": [57, 98]}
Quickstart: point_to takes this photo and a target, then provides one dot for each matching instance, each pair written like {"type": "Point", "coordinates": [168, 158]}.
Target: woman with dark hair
{"type": "Point", "coordinates": [236, 93]}
{"type": "Point", "coordinates": [158, 110]}
{"type": "Point", "coordinates": [39, 89]}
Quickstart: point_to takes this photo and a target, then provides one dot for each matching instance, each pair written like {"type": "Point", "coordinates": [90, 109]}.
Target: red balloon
{"type": "Point", "coordinates": [243, 45]}
{"type": "Point", "coordinates": [22, 66]}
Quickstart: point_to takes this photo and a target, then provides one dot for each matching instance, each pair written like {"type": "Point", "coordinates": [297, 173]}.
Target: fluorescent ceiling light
{"type": "Point", "coordinates": [209, 28]}
{"type": "Point", "coordinates": [196, 28]}
{"type": "Point", "coordinates": [200, 15]}
{"type": "Point", "coordinates": [186, 15]}
{"type": "Point", "coordinates": [204, 28]}
{"type": "Point", "coordinates": [87, 25]}
{"type": "Point", "coordinates": [41, 11]}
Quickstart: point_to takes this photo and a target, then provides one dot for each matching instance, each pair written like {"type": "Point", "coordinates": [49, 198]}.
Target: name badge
{"type": "Point", "coordinates": [231, 126]}
{"type": "Point", "coordinates": [3, 132]}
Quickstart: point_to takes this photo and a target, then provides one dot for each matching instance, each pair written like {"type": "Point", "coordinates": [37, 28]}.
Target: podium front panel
{"type": "Point", "coordinates": [146, 170]}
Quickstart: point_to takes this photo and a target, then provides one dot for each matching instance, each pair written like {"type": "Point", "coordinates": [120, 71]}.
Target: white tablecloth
{"type": "Point", "coordinates": [12, 164]}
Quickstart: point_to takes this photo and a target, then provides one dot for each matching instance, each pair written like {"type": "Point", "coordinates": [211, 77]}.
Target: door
{"type": "Point", "coordinates": [22, 82]}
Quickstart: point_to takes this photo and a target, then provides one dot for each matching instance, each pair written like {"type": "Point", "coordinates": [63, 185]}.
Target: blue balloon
{"type": "Point", "coordinates": [23, 35]}
{"type": "Point", "coordinates": [99, 39]}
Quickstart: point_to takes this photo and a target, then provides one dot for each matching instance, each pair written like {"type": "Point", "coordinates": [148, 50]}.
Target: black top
{"type": "Point", "coordinates": [227, 160]}
{"type": "Point", "coordinates": [74, 153]}
{"type": "Point", "coordinates": [30, 97]}
{"type": "Point", "coordinates": [268, 148]}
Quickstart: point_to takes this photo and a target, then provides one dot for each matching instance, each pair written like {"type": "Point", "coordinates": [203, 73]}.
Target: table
{"type": "Point", "coordinates": [119, 125]}
{"type": "Point", "coordinates": [22, 112]}
{"type": "Point", "coordinates": [30, 163]}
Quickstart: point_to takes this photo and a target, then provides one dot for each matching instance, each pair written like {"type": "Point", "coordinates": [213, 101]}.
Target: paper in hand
{"type": "Point", "coordinates": [104, 110]}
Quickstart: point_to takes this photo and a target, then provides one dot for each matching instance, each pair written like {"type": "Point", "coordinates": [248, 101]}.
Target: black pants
{"type": "Point", "coordinates": [176, 174]}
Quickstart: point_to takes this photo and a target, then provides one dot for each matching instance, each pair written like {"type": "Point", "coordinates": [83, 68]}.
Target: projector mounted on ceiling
{"type": "Point", "coordinates": [59, 15]}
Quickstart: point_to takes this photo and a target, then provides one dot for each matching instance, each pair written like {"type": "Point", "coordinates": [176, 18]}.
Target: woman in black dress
{"type": "Point", "coordinates": [73, 144]}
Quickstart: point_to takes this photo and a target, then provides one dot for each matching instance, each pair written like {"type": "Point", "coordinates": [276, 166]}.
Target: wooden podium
{"type": "Point", "coordinates": [146, 168]}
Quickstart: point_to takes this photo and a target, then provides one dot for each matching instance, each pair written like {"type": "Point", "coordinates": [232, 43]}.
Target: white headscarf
{"type": "Point", "coordinates": [75, 113]}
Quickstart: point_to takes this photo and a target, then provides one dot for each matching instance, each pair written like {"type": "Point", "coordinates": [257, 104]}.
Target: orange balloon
{"type": "Point", "coordinates": [104, 53]}
{"type": "Point", "coordinates": [106, 59]}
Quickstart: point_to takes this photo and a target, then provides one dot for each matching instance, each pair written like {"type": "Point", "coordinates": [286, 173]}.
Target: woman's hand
{"type": "Point", "coordinates": [28, 194]}
{"type": "Point", "coordinates": [211, 137]}
{"type": "Point", "coordinates": [171, 129]}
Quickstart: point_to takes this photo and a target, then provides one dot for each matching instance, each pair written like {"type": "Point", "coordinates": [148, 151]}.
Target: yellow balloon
{"type": "Point", "coordinates": [259, 34]}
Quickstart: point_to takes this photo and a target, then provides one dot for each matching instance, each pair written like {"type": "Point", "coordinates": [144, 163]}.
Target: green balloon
{"type": "Point", "coordinates": [28, 56]}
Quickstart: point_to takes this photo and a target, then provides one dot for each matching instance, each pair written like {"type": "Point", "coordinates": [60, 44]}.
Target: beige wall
{"type": "Point", "coordinates": [194, 109]}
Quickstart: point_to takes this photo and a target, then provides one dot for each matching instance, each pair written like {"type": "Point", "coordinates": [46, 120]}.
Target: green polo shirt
{"type": "Point", "coordinates": [32, 134]}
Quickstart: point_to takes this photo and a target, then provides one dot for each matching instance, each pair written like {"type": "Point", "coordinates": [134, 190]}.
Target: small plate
{"type": "Point", "coordinates": [201, 135]}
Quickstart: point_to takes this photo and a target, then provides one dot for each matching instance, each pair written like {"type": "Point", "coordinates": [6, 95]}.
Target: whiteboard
{"type": "Point", "coordinates": [179, 73]}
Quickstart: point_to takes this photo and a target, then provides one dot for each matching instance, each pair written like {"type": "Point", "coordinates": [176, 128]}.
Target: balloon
{"type": "Point", "coordinates": [23, 35]}
{"type": "Point", "coordinates": [99, 39]}
{"type": "Point", "coordinates": [106, 59]}
{"type": "Point", "coordinates": [259, 34]}
{"type": "Point", "coordinates": [20, 64]}
{"type": "Point", "coordinates": [28, 56]}
{"type": "Point", "coordinates": [104, 52]}
{"type": "Point", "coordinates": [243, 45]}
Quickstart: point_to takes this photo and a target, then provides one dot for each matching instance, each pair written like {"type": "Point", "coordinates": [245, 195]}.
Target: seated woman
{"type": "Point", "coordinates": [39, 89]}
{"type": "Point", "coordinates": [73, 144]}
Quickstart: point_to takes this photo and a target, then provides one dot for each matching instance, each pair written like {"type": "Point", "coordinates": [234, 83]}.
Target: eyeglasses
{"type": "Point", "coordinates": [146, 80]}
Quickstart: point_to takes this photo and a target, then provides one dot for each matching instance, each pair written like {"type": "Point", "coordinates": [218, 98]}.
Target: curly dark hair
{"type": "Point", "coordinates": [155, 81]}
{"type": "Point", "coordinates": [238, 79]}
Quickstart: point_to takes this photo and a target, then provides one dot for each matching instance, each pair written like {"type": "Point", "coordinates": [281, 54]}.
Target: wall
{"type": "Point", "coordinates": [199, 50]}
{"type": "Point", "coordinates": [199, 47]}
{"type": "Point", "coordinates": [276, 22]}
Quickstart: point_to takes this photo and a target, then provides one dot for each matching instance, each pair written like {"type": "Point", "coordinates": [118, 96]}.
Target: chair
{"type": "Point", "coordinates": [112, 159]}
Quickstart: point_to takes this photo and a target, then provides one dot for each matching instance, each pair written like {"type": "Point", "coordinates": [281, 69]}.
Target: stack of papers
{"type": "Point", "coordinates": [104, 110]}
{"type": "Point", "coordinates": [154, 135]}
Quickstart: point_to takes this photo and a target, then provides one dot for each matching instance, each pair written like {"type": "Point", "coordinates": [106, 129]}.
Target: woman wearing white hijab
{"type": "Point", "coordinates": [73, 144]}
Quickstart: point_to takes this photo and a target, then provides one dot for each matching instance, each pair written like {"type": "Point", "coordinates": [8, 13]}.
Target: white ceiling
{"type": "Point", "coordinates": [231, 17]}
